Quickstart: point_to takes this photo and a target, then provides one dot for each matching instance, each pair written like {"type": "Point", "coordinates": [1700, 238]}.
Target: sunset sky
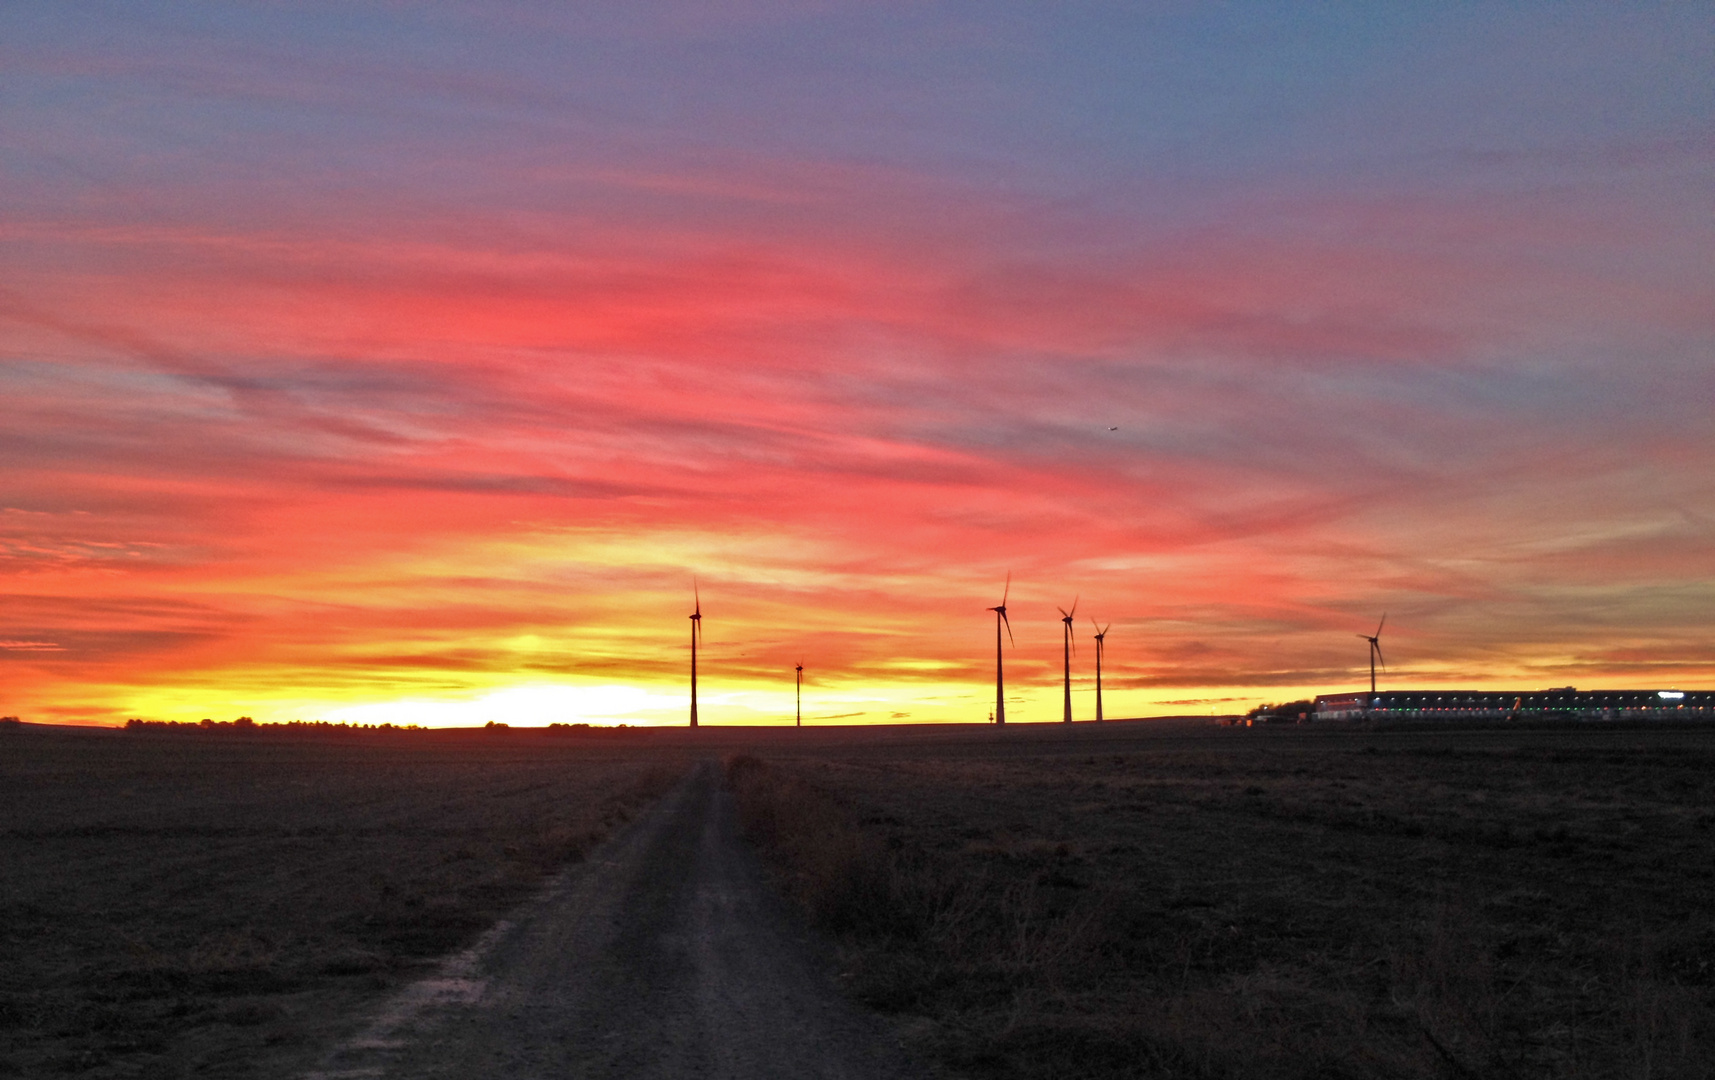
{"type": "Point", "coordinates": [406, 362]}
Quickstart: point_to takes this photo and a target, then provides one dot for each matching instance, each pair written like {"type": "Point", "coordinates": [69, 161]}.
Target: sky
{"type": "Point", "coordinates": [421, 363]}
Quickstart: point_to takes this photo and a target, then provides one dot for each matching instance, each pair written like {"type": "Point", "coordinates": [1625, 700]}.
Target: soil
{"type": "Point", "coordinates": [222, 904]}
{"type": "Point", "coordinates": [664, 954]}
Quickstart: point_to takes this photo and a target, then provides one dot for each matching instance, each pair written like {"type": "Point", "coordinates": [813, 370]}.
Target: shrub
{"type": "Point", "coordinates": [843, 875]}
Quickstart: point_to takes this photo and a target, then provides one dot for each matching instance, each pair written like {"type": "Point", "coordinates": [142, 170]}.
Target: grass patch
{"type": "Point", "coordinates": [1264, 904]}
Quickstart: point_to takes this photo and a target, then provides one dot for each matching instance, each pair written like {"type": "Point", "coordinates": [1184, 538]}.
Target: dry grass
{"type": "Point", "coordinates": [196, 904]}
{"type": "Point", "coordinates": [1131, 902]}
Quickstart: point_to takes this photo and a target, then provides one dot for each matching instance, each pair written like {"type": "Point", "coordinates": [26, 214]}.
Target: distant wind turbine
{"type": "Point", "coordinates": [696, 636]}
{"type": "Point", "coordinates": [1066, 617]}
{"type": "Point", "coordinates": [999, 681]}
{"type": "Point", "coordinates": [1375, 641]}
{"type": "Point", "coordinates": [800, 670]}
{"type": "Point", "coordinates": [1101, 646]}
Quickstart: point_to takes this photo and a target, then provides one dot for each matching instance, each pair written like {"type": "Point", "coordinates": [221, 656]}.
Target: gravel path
{"type": "Point", "coordinates": [665, 954]}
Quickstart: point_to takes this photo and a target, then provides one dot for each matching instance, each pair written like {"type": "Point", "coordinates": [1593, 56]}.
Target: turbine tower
{"type": "Point", "coordinates": [696, 635]}
{"type": "Point", "coordinates": [1101, 646]}
{"type": "Point", "coordinates": [1375, 641]}
{"type": "Point", "coordinates": [999, 682]}
{"type": "Point", "coordinates": [1066, 647]}
{"type": "Point", "coordinates": [800, 670]}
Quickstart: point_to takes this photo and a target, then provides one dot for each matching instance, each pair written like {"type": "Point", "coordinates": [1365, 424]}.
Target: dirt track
{"type": "Point", "coordinates": [663, 955]}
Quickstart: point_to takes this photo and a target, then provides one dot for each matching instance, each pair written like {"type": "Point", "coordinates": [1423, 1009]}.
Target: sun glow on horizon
{"type": "Point", "coordinates": [530, 705]}
{"type": "Point", "coordinates": [542, 704]}
{"type": "Point", "coordinates": [722, 703]}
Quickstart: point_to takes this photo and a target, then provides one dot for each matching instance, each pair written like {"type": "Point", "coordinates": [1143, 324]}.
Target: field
{"type": "Point", "coordinates": [217, 904]}
{"type": "Point", "coordinates": [1151, 898]}
{"type": "Point", "coordinates": [1175, 900]}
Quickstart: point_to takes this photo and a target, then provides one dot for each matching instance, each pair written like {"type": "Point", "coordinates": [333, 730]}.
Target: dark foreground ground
{"type": "Point", "coordinates": [1138, 899]}
{"type": "Point", "coordinates": [1164, 900]}
{"type": "Point", "coordinates": [223, 904]}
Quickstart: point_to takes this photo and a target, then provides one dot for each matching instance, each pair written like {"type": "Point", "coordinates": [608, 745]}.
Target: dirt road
{"type": "Point", "coordinates": [663, 955]}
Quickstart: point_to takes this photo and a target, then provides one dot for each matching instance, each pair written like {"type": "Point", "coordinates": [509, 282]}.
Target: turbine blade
{"type": "Point", "coordinates": [1008, 623]}
{"type": "Point", "coordinates": [1379, 657]}
{"type": "Point", "coordinates": [1381, 624]}
{"type": "Point", "coordinates": [1062, 611]}
{"type": "Point", "coordinates": [1008, 590]}
{"type": "Point", "coordinates": [1074, 610]}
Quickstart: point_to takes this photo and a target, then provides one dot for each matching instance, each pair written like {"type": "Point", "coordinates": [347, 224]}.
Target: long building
{"type": "Point", "coordinates": [1562, 703]}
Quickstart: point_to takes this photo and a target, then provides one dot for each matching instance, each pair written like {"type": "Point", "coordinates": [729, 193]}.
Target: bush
{"type": "Point", "coordinates": [842, 875]}
{"type": "Point", "coordinates": [938, 925]}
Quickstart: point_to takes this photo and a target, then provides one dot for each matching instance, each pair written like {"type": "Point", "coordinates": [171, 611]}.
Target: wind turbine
{"type": "Point", "coordinates": [696, 635]}
{"type": "Point", "coordinates": [800, 670]}
{"type": "Point", "coordinates": [999, 682]}
{"type": "Point", "coordinates": [1066, 617]}
{"type": "Point", "coordinates": [1375, 641]}
{"type": "Point", "coordinates": [1101, 635]}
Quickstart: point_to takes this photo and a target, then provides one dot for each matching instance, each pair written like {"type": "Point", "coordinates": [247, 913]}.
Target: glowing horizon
{"type": "Point", "coordinates": [361, 362]}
